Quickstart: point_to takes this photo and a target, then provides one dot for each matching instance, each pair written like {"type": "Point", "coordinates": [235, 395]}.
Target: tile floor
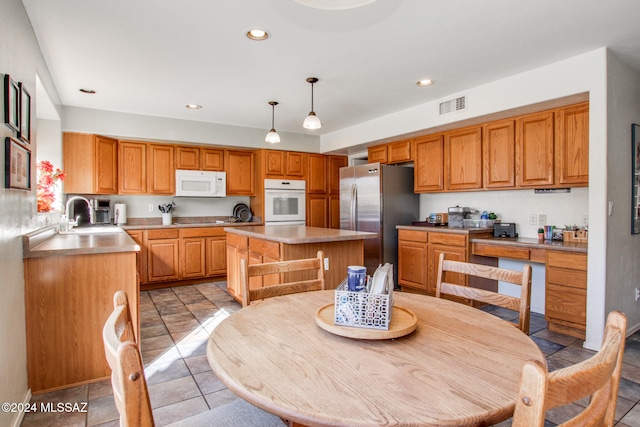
{"type": "Point", "coordinates": [175, 324]}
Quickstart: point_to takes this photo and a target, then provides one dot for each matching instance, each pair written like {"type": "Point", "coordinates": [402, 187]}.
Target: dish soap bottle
{"type": "Point", "coordinates": [64, 224]}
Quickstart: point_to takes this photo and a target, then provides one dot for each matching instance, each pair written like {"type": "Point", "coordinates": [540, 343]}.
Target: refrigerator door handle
{"type": "Point", "coordinates": [354, 195]}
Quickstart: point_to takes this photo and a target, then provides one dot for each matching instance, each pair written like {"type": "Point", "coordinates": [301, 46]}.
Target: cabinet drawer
{"type": "Point", "coordinates": [265, 247]}
{"type": "Point", "coordinates": [202, 232]}
{"type": "Point", "coordinates": [414, 236]}
{"type": "Point", "coordinates": [571, 260]}
{"type": "Point", "coordinates": [448, 239]}
{"type": "Point", "coordinates": [566, 277]}
{"type": "Point", "coordinates": [500, 251]}
{"type": "Point", "coordinates": [169, 233]}
{"type": "Point", "coordinates": [237, 241]}
{"type": "Point", "coordinates": [564, 303]}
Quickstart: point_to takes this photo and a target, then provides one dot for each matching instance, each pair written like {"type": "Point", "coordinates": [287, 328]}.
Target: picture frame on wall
{"type": "Point", "coordinates": [11, 103]}
{"type": "Point", "coordinates": [24, 133]}
{"type": "Point", "coordinates": [17, 165]}
{"type": "Point", "coordinates": [635, 183]}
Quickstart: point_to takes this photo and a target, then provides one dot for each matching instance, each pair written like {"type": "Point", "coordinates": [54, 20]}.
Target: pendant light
{"type": "Point", "coordinates": [312, 121]}
{"type": "Point", "coordinates": [272, 136]}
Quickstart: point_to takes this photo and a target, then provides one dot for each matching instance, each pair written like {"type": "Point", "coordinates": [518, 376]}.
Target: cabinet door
{"type": "Point", "coordinates": [192, 257]}
{"type": "Point", "coordinates": [216, 253]}
{"type": "Point", "coordinates": [572, 145]}
{"type": "Point", "coordinates": [463, 159]}
{"type": "Point", "coordinates": [162, 260]}
{"type": "Point", "coordinates": [412, 264]}
{"type": "Point", "coordinates": [377, 154]}
{"type": "Point", "coordinates": [78, 154]}
{"type": "Point", "coordinates": [317, 210]}
{"type": "Point", "coordinates": [188, 158]}
{"type": "Point", "coordinates": [399, 152]}
{"type": "Point", "coordinates": [316, 180]}
{"type": "Point", "coordinates": [141, 256]}
{"type": "Point", "coordinates": [428, 163]}
{"type": "Point", "coordinates": [237, 249]}
{"type": "Point", "coordinates": [106, 165]}
{"type": "Point", "coordinates": [132, 168]}
{"type": "Point", "coordinates": [499, 144]}
{"type": "Point", "coordinates": [334, 211]}
{"type": "Point", "coordinates": [534, 150]}
{"type": "Point", "coordinates": [295, 164]}
{"type": "Point", "coordinates": [240, 167]}
{"type": "Point", "coordinates": [274, 163]}
{"type": "Point", "coordinates": [334, 164]}
{"type": "Point", "coordinates": [211, 159]}
{"type": "Point", "coordinates": [161, 171]}
{"type": "Point", "coordinates": [451, 253]}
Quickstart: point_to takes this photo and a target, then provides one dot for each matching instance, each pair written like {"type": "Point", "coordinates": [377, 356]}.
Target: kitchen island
{"type": "Point", "coordinates": [260, 244]}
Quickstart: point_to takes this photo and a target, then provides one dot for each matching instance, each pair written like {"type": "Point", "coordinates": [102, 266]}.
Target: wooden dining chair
{"type": "Point", "coordinates": [129, 385]}
{"type": "Point", "coordinates": [597, 377]}
{"type": "Point", "coordinates": [522, 304]}
{"type": "Point", "coordinates": [281, 268]}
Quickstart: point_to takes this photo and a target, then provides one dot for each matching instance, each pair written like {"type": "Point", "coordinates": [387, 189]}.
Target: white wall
{"type": "Point", "coordinates": [585, 73]}
{"type": "Point", "coordinates": [20, 57]}
{"type": "Point", "coordinates": [623, 248]}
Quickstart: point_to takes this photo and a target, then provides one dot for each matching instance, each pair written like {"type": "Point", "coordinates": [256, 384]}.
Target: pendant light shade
{"type": "Point", "coordinates": [312, 121]}
{"type": "Point", "coordinates": [272, 136]}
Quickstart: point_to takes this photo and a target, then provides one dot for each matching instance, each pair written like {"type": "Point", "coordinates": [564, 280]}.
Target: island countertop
{"type": "Point", "coordinates": [299, 234]}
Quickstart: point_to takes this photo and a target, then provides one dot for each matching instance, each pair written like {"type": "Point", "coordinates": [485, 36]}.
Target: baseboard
{"type": "Point", "coordinates": [20, 415]}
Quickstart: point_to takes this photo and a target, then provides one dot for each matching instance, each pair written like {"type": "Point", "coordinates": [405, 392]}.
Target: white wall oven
{"type": "Point", "coordinates": [284, 202]}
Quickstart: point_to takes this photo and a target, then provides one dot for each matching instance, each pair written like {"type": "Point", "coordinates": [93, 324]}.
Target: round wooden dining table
{"type": "Point", "coordinates": [460, 367]}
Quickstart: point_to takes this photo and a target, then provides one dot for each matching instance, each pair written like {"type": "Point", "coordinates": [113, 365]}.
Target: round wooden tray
{"type": "Point", "coordinates": [403, 322]}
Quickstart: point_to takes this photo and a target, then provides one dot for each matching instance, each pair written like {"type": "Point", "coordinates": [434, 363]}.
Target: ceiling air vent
{"type": "Point", "coordinates": [456, 104]}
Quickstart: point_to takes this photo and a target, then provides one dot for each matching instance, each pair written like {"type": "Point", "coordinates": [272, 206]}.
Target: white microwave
{"type": "Point", "coordinates": [190, 183]}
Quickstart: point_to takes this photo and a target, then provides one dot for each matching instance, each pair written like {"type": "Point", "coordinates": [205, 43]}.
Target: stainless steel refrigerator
{"type": "Point", "coordinates": [376, 198]}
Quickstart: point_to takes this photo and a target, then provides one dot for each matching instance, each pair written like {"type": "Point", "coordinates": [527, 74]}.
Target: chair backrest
{"type": "Point", "coordinates": [127, 371]}
{"type": "Point", "coordinates": [281, 267]}
{"type": "Point", "coordinates": [598, 377]}
{"type": "Point", "coordinates": [523, 279]}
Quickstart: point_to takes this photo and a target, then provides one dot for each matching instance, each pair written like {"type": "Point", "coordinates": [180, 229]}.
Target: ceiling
{"type": "Point", "coordinates": [153, 57]}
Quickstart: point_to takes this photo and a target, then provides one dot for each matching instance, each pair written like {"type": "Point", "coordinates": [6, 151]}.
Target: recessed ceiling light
{"type": "Point", "coordinates": [425, 82]}
{"type": "Point", "coordinates": [193, 106]}
{"type": "Point", "coordinates": [257, 34]}
{"type": "Point", "coordinates": [88, 91]}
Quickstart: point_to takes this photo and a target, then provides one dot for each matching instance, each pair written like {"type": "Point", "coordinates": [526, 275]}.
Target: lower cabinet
{"type": "Point", "coordinates": [412, 259]}
{"type": "Point", "coordinates": [566, 292]}
{"type": "Point", "coordinates": [175, 254]}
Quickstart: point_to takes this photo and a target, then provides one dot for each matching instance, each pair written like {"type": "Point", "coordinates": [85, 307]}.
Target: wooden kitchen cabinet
{"type": "Point", "coordinates": [534, 150]}
{"type": "Point", "coordinates": [377, 154]}
{"type": "Point", "coordinates": [463, 159]}
{"type": "Point", "coordinates": [284, 164]}
{"type": "Point", "coordinates": [399, 152]}
{"type": "Point", "coordinates": [334, 163]}
{"type": "Point", "coordinates": [199, 158]}
{"type": "Point", "coordinates": [317, 177]}
{"type": "Point", "coordinates": [572, 145]}
{"type": "Point", "coordinates": [141, 256]}
{"type": "Point", "coordinates": [187, 157]}
{"type": "Point", "coordinates": [161, 170]}
{"type": "Point", "coordinates": [132, 167]}
{"type": "Point", "coordinates": [334, 211]}
{"type": "Point", "coordinates": [90, 163]}
{"type": "Point", "coordinates": [163, 248]}
{"type": "Point", "coordinates": [237, 250]}
{"type": "Point", "coordinates": [412, 259]}
{"type": "Point", "coordinates": [241, 172]}
{"type": "Point", "coordinates": [211, 159]}
{"type": "Point", "coordinates": [428, 163]}
{"type": "Point", "coordinates": [192, 257]}
{"type": "Point", "coordinates": [216, 256]}
{"type": "Point", "coordinates": [566, 292]}
{"type": "Point", "coordinates": [499, 145]}
{"type": "Point", "coordinates": [202, 252]}
{"type": "Point", "coordinates": [318, 210]}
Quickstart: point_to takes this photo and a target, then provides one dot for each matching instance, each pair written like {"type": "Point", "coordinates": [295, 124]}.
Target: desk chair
{"type": "Point", "coordinates": [598, 377]}
{"type": "Point", "coordinates": [523, 279]}
{"type": "Point", "coordinates": [130, 387]}
{"type": "Point", "coordinates": [281, 267]}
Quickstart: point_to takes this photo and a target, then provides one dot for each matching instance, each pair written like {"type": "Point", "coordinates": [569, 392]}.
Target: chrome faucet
{"type": "Point", "coordinates": [75, 222]}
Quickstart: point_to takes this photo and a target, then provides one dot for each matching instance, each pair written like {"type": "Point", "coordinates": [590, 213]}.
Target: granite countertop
{"type": "Point", "coordinates": [530, 242]}
{"type": "Point", "coordinates": [299, 234]}
{"type": "Point", "coordinates": [441, 229]}
{"type": "Point", "coordinates": [48, 242]}
{"type": "Point", "coordinates": [185, 222]}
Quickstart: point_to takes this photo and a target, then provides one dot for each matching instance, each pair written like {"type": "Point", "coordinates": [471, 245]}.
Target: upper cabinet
{"type": "Point", "coordinates": [241, 172]}
{"type": "Point", "coordinates": [428, 174]}
{"type": "Point", "coordinates": [199, 158]}
{"type": "Point", "coordinates": [377, 154]}
{"type": "Point", "coordinates": [463, 159]}
{"type": "Point", "coordinates": [283, 164]}
{"type": "Point", "coordinates": [499, 145]}
{"type": "Point", "coordinates": [317, 177]}
{"type": "Point", "coordinates": [145, 168]}
{"type": "Point", "coordinates": [90, 164]}
{"type": "Point", "coordinates": [534, 150]}
{"type": "Point", "coordinates": [392, 153]}
{"type": "Point", "coordinates": [572, 145]}
{"type": "Point", "coordinates": [161, 170]}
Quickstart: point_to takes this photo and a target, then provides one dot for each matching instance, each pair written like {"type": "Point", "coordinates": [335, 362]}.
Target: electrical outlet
{"type": "Point", "coordinates": [533, 219]}
{"type": "Point", "coordinates": [150, 207]}
{"type": "Point", "coordinates": [637, 294]}
{"type": "Point", "coordinates": [584, 220]}
{"type": "Point", "coordinates": [326, 263]}
{"type": "Point", "coordinates": [542, 219]}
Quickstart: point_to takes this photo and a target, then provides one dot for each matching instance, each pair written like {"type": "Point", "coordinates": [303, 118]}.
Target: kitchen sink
{"type": "Point", "coordinates": [96, 229]}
